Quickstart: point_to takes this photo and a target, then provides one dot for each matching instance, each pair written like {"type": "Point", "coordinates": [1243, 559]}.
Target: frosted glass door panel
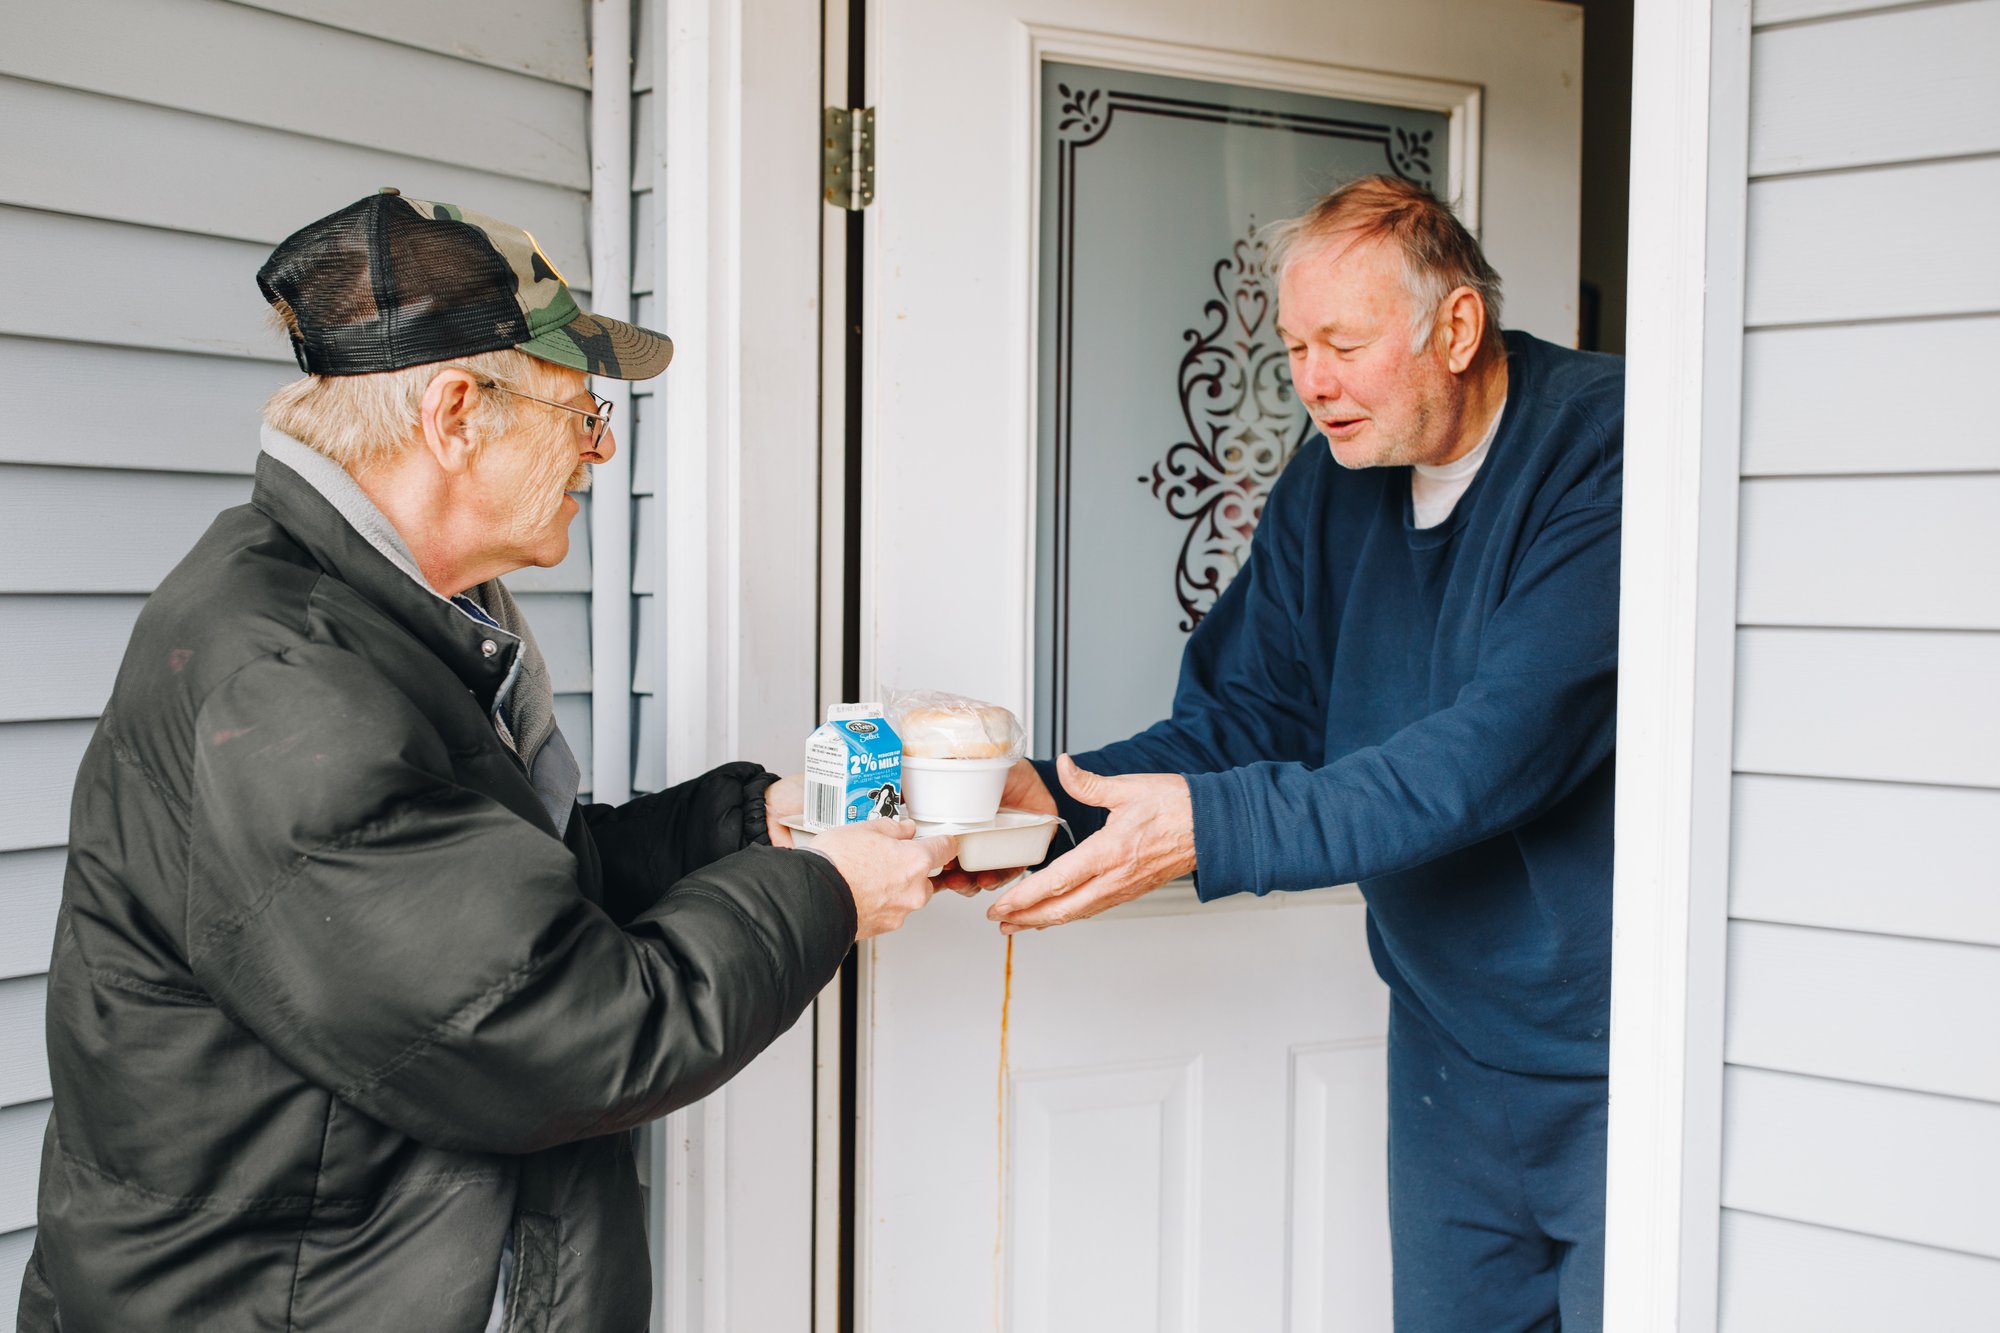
{"type": "Point", "coordinates": [1166, 408]}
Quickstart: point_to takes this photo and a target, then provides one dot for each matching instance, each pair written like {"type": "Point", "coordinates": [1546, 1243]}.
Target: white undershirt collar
{"type": "Point", "coordinates": [1435, 488]}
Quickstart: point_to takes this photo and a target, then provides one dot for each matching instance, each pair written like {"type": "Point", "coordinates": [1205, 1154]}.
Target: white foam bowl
{"type": "Point", "coordinates": [953, 791]}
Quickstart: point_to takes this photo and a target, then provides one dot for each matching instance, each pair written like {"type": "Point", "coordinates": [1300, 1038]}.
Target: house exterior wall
{"type": "Point", "coordinates": [155, 151]}
{"type": "Point", "coordinates": [1861, 1079]}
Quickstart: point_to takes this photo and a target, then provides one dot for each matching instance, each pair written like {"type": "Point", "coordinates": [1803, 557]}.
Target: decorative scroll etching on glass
{"type": "Point", "coordinates": [1165, 404]}
{"type": "Point", "coordinates": [1237, 408]}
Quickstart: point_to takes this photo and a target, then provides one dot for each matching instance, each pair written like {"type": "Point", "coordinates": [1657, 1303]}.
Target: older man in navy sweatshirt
{"type": "Point", "coordinates": [1411, 685]}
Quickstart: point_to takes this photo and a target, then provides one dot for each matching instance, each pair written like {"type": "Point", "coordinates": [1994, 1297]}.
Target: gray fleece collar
{"type": "Point", "coordinates": [526, 696]}
{"type": "Point", "coordinates": [341, 491]}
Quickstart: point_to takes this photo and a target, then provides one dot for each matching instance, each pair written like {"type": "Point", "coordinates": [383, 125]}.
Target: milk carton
{"type": "Point", "coordinates": [854, 767]}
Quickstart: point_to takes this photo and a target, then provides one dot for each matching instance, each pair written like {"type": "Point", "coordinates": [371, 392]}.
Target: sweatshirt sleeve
{"type": "Point", "coordinates": [424, 953]}
{"type": "Point", "coordinates": [1245, 691]}
{"type": "Point", "coordinates": [1536, 719]}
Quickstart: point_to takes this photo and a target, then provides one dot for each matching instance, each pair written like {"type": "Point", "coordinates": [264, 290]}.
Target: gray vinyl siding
{"type": "Point", "coordinates": [1861, 1092]}
{"type": "Point", "coordinates": [155, 150]}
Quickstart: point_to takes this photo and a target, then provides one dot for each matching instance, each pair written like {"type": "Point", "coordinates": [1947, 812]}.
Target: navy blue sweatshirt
{"type": "Point", "coordinates": [1430, 713]}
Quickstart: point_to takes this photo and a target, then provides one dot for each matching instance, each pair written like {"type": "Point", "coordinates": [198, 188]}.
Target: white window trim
{"type": "Point", "coordinates": [1684, 346]}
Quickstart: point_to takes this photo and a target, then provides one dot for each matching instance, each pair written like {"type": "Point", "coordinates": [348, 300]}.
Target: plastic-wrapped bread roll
{"type": "Point", "coordinates": [974, 731]}
{"type": "Point", "coordinates": [956, 753]}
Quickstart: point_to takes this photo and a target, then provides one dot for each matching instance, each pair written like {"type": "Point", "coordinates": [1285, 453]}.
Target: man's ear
{"type": "Point", "coordinates": [443, 416]}
{"type": "Point", "coordinates": [1461, 328]}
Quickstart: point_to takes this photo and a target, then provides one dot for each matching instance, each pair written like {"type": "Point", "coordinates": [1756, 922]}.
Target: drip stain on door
{"type": "Point", "coordinates": [1000, 1136]}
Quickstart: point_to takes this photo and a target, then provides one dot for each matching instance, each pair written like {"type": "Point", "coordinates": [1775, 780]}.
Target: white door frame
{"type": "Point", "coordinates": [1677, 626]}
{"type": "Point", "coordinates": [736, 171]}
{"type": "Point", "coordinates": [1684, 339]}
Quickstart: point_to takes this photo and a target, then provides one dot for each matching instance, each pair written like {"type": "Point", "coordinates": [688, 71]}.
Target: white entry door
{"type": "Point", "coordinates": [1170, 1117]}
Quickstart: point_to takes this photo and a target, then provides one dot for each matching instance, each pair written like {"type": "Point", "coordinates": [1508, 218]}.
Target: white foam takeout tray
{"type": "Point", "coordinates": [1011, 839]}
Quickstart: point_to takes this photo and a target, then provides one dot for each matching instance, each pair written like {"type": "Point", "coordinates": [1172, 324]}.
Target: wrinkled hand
{"type": "Point", "coordinates": [1147, 841]}
{"type": "Point", "coordinates": [887, 867]}
{"type": "Point", "coordinates": [785, 798]}
{"type": "Point", "coordinates": [1025, 790]}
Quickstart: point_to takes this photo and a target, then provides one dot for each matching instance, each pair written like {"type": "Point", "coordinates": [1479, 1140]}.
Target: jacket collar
{"type": "Point", "coordinates": [331, 517]}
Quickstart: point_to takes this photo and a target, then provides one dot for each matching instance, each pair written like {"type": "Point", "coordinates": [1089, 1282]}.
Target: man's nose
{"type": "Point", "coordinates": [606, 446]}
{"type": "Point", "coordinates": [1315, 379]}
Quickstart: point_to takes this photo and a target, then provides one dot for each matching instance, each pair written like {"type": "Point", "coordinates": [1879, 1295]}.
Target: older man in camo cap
{"type": "Point", "coordinates": [351, 999]}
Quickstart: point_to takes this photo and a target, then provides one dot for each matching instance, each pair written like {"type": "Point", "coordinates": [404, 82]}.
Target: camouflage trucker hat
{"type": "Point", "coordinates": [389, 282]}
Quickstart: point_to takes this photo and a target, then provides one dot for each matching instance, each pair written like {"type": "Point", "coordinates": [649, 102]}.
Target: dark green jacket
{"type": "Point", "coordinates": [334, 1010]}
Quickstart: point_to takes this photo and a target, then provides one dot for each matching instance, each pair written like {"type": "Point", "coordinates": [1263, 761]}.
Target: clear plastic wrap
{"type": "Point", "coordinates": [935, 725]}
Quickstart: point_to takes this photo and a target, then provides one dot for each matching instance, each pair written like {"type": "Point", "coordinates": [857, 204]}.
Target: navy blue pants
{"type": "Point", "coordinates": [1496, 1191]}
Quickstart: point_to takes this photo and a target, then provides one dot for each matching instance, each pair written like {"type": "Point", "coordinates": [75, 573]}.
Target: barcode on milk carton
{"type": "Point", "coordinates": [822, 803]}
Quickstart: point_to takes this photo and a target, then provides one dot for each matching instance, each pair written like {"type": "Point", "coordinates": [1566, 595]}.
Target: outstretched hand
{"type": "Point", "coordinates": [1147, 841]}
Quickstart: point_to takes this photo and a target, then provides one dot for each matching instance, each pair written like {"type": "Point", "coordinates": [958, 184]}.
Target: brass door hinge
{"type": "Point", "coordinates": [848, 155]}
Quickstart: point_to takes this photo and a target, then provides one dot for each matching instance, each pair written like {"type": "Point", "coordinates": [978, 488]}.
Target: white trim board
{"type": "Point", "coordinates": [829, 1222]}
{"type": "Point", "coordinates": [611, 514]}
{"type": "Point", "coordinates": [696, 148]}
{"type": "Point", "coordinates": [1684, 339]}
{"type": "Point", "coordinates": [730, 548]}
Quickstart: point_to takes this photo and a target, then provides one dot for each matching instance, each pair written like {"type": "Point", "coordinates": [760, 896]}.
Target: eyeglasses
{"type": "Point", "coordinates": [595, 421]}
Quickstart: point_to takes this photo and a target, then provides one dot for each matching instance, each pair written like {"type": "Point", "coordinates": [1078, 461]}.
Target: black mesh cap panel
{"type": "Point", "coordinates": [377, 286]}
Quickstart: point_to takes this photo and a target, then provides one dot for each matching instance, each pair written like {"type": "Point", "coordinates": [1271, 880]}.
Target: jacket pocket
{"type": "Point", "coordinates": [533, 1296]}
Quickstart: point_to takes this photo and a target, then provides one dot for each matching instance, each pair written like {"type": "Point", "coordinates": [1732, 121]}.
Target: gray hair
{"type": "Point", "coordinates": [361, 420]}
{"type": "Point", "coordinates": [1439, 254]}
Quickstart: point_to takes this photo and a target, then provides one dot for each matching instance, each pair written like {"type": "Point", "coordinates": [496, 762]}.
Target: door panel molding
{"type": "Point", "coordinates": [1337, 1261]}
{"type": "Point", "coordinates": [1105, 1168]}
